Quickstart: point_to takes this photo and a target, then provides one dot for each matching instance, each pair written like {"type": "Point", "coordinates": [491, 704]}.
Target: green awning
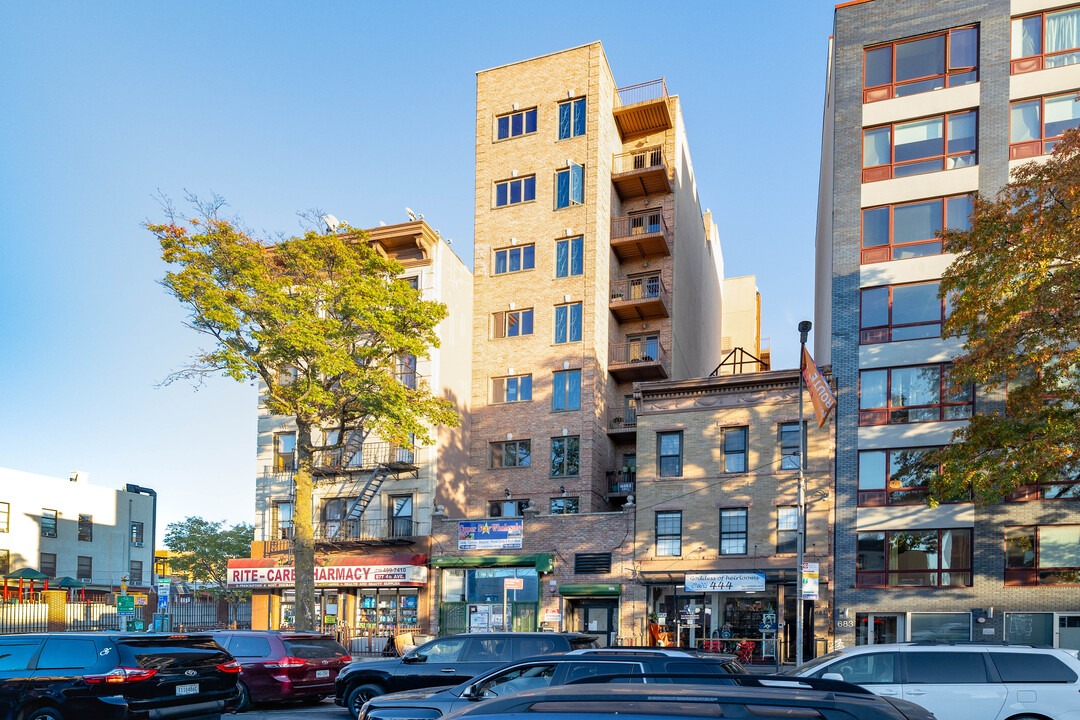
{"type": "Point", "coordinates": [591, 589]}
{"type": "Point", "coordinates": [543, 562]}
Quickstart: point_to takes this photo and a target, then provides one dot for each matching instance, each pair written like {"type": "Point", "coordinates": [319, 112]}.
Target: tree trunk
{"type": "Point", "coordinates": [303, 535]}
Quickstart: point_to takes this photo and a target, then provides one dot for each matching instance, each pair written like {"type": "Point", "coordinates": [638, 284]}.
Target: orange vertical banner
{"type": "Point", "coordinates": [820, 392]}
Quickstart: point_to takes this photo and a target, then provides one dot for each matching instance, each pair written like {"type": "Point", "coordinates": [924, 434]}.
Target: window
{"type": "Point", "coordinates": [735, 450]}
{"type": "Point", "coordinates": [47, 564]}
{"type": "Point", "coordinates": [514, 453]}
{"type": "Point", "coordinates": [518, 190]}
{"type": "Point", "coordinates": [85, 569]}
{"type": "Point", "coordinates": [515, 259]}
{"type": "Point", "coordinates": [1031, 668]}
{"type": "Point", "coordinates": [5, 516]}
{"type": "Point", "coordinates": [645, 222]}
{"type": "Point", "coordinates": [669, 533]}
{"type": "Point", "coordinates": [899, 232]}
{"type": "Point", "coordinates": [5, 562]}
{"type": "Point", "coordinates": [568, 323]}
{"type": "Point", "coordinates": [517, 388]}
{"type": "Point", "coordinates": [135, 573]}
{"type": "Point", "coordinates": [1036, 125]}
{"type": "Point", "coordinates": [564, 506]}
{"type": "Point", "coordinates": [669, 454]}
{"type": "Point", "coordinates": [507, 508]}
{"type": "Point", "coordinates": [947, 668]}
{"type": "Point", "coordinates": [282, 520]}
{"type": "Point", "coordinates": [520, 677]}
{"type": "Point", "coordinates": [789, 445]}
{"type": "Point", "coordinates": [406, 371]}
{"type": "Point", "coordinates": [401, 516]}
{"type": "Point", "coordinates": [1063, 485]}
{"type": "Point", "coordinates": [571, 118]}
{"type": "Point", "coordinates": [787, 529]}
{"type": "Point", "coordinates": [412, 281]}
{"type": "Point", "coordinates": [48, 523]}
{"type": "Point", "coordinates": [921, 64]}
{"type": "Point", "coordinates": [897, 477]}
{"type": "Point", "coordinates": [589, 563]}
{"type": "Point", "coordinates": [566, 390]}
{"type": "Point", "coordinates": [921, 146]}
{"type": "Point", "coordinates": [284, 452]}
{"type": "Point", "coordinates": [922, 393]}
{"type": "Point", "coordinates": [136, 533]}
{"type": "Point", "coordinates": [249, 647]}
{"type": "Point", "coordinates": [515, 124]}
{"type": "Point", "coordinates": [443, 651]}
{"type": "Point", "coordinates": [513, 323]}
{"type": "Point", "coordinates": [86, 528]}
{"type": "Point", "coordinates": [1042, 555]}
{"type": "Point", "coordinates": [15, 653]}
{"type": "Point", "coordinates": [1046, 40]}
{"type": "Point", "coordinates": [641, 348]}
{"type": "Point", "coordinates": [570, 186]}
{"type": "Point", "coordinates": [901, 312]}
{"type": "Point", "coordinates": [733, 531]}
{"type": "Point", "coordinates": [914, 558]}
{"type": "Point", "coordinates": [569, 257]}
{"type": "Point", "coordinates": [940, 626]}
{"type": "Point", "coordinates": [865, 668]}
{"type": "Point", "coordinates": [565, 456]}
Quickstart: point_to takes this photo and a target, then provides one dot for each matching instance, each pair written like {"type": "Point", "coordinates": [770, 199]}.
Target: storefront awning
{"type": "Point", "coordinates": [544, 562]}
{"type": "Point", "coordinates": [581, 589]}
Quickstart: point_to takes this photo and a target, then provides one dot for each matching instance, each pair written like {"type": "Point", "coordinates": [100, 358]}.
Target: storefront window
{"type": "Point", "coordinates": [930, 627]}
{"type": "Point", "coordinates": [1035, 628]}
{"type": "Point", "coordinates": [472, 600]}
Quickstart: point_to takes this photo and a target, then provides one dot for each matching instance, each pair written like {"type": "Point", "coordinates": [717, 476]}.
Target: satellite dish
{"type": "Point", "coordinates": [410, 213]}
{"type": "Point", "coordinates": [332, 222]}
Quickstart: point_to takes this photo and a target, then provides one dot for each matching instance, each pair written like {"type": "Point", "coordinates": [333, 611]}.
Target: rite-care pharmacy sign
{"type": "Point", "coordinates": [329, 576]}
{"type": "Point", "coordinates": [725, 582]}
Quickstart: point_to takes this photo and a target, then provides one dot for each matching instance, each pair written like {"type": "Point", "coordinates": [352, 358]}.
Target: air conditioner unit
{"type": "Point", "coordinates": [137, 544]}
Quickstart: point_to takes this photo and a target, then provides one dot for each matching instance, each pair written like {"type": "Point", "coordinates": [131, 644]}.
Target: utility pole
{"type": "Point", "coordinates": [804, 330]}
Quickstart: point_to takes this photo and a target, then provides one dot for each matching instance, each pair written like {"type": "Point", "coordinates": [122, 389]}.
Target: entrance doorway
{"type": "Point", "coordinates": [599, 618]}
{"type": "Point", "coordinates": [879, 628]}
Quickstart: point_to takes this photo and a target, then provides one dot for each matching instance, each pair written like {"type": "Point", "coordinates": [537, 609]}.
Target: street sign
{"type": "Point", "coordinates": [140, 599]}
{"type": "Point", "coordinates": [514, 584]}
{"type": "Point", "coordinates": [125, 605]}
{"type": "Point", "coordinates": [551, 615]}
{"type": "Point", "coordinates": [810, 577]}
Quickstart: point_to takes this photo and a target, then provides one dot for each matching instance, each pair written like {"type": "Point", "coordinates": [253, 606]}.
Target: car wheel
{"type": "Point", "coordinates": [360, 695]}
{"type": "Point", "coordinates": [243, 703]}
{"type": "Point", "coordinates": [43, 713]}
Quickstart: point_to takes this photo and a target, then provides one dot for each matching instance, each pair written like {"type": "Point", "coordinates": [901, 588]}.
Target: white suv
{"type": "Point", "coordinates": [963, 681]}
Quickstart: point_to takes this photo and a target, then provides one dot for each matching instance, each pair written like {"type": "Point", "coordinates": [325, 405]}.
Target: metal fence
{"type": "Point", "coordinates": [93, 616]}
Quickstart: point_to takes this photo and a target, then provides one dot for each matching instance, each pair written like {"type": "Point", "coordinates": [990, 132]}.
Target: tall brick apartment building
{"type": "Point", "coordinates": [927, 103]}
{"type": "Point", "coordinates": [594, 268]}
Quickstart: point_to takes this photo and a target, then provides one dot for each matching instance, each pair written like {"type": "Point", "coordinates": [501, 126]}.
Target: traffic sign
{"type": "Point", "coordinates": [125, 605]}
{"type": "Point", "coordinates": [514, 584]}
{"type": "Point", "coordinates": [140, 599]}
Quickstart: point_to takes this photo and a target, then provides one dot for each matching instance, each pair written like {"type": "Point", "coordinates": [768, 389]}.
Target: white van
{"type": "Point", "coordinates": [962, 681]}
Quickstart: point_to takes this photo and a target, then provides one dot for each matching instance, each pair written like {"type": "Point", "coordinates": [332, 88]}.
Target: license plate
{"type": "Point", "coordinates": [190, 689]}
{"type": "Point", "coordinates": [322, 673]}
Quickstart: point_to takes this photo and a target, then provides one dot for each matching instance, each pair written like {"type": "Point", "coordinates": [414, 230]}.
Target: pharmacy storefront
{"type": "Point", "coordinates": [369, 596]}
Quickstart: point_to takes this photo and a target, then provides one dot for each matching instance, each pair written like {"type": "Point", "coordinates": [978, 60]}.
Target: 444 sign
{"type": "Point", "coordinates": [725, 582]}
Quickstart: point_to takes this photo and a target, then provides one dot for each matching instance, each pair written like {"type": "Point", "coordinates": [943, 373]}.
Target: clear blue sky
{"type": "Point", "coordinates": [360, 109]}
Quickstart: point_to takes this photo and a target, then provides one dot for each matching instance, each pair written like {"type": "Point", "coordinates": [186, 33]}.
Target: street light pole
{"type": "Point", "coordinates": [800, 537]}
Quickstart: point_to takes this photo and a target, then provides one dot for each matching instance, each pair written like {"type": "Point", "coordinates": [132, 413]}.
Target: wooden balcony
{"type": "Point", "coordinates": [642, 109]}
{"type": "Point", "coordinates": [622, 423]}
{"type": "Point", "coordinates": [639, 360]}
{"type": "Point", "coordinates": [640, 298]}
{"type": "Point", "coordinates": [641, 236]}
{"type": "Point", "coordinates": [640, 173]}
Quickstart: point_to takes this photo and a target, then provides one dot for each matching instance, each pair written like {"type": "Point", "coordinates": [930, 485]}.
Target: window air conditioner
{"type": "Point", "coordinates": [137, 544]}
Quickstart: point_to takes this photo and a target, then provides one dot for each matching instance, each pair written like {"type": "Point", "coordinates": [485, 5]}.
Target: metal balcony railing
{"type": "Point", "coordinates": [620, 481]}
{"type": "Point", "coordinates": [642, 92]}
{"type": "Point", "coordinates": [368, 456]}
{"type": "Point", "coordinates": [622, 418]}
{"type": "Point", "coordinates": [640, 159]}
{"type": "Point", "coordinates": [380, 530]}
{"type": "Point", "coordinates": [639, 351]}
{"type": "Point", "coordinates": [641, 224]}
{"type": "Point", "coordinates": [650, 287]}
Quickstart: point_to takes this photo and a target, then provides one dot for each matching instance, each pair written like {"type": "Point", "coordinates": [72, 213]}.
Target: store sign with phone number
{"type": "Point", "coordinates": [725, 582]}
{"type": "Point", "coordinates": [330, 576]}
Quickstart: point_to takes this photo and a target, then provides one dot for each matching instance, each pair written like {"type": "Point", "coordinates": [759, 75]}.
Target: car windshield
{"type": "Point", "coordinates": [163, 653]}
{"type": "Point", "coordinates": [807, 667]}
{"type": "Point", "coordinates": [313, 648]}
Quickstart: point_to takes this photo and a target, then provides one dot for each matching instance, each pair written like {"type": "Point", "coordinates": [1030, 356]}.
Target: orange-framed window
{"type": "Point", "coordinates": [914, 558]}
{"type": "Point", "coordinates": [912, 394]}
{"type": "Point", "coordinates": [914, 147]}
{"type": "Point", "coordinates": [909, 230]}
{"type": "Point", "coordinates": [1042, 555]}
{"type": "Point", "coordinates": [1045, 40]}
{"type": "Point", "coordinates": [897, 476]}
{"type": "Point", "coordinates": [1037, 124]}
{"type": "Point", "coordinates": [921, 64]}
{"type": "Point", "coordinates": [912, 311]}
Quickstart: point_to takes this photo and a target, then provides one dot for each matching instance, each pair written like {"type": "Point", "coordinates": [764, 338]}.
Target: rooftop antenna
{"type": "Point", "coordinates": [410, 213]}
{"type": "Point", "coordinates": [332, 223]}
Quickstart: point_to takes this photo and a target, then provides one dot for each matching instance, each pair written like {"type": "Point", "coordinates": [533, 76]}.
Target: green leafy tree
{"type": "Point", "coordinates": [321, 321]}
{"type": "Point", "coordinates": [205, 548]}
{"type": "Point", "coordinates": [1015, 291]}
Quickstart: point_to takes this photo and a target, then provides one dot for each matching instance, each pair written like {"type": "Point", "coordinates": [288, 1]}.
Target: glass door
{"type": "Point", "coordinates": [879, 628]}
{"type": "Point", "coordinates": [1068, 631]}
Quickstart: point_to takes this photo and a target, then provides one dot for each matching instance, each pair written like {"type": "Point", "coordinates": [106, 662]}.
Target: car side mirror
{"type": "Point", "coordinates": [412, 657]}
{"type": "Point", "coordinates": [471, 693]}
{"type": "Point", "coordinates": [833, 676]}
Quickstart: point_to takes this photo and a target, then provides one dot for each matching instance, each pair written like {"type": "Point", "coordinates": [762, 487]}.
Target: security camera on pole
{"type": "Point", "coordinates": [824, 401]}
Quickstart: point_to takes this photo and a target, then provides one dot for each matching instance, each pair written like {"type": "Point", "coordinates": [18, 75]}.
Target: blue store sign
{"type": "Point", "coordinates": [490, 534]}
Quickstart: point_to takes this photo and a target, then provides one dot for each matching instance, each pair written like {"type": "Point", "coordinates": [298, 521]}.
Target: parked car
{"type": "Point", "coordinates": [280, 666]}
{"type": "Point", "coordinates": [445, 661]}
{"type": "Point", "coordinates": [962, 680]}
{"type": "Point", "coordinates": [115, 676]}
{"type": "Point", "coordinates": [751, 698]}
{"type": "Point", "coordinates": [543, 671]}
